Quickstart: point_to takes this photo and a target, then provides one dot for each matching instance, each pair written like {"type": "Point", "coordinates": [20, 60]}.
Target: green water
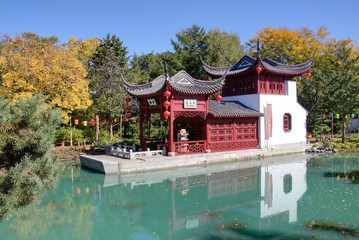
{"type": "Point", "coordinates": [274, 198]}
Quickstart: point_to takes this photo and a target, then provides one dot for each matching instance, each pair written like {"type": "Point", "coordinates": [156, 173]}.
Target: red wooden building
{"type": "Point", "coordinates": [197, 124]}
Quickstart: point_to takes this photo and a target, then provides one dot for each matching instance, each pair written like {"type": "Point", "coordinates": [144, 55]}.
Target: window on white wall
{"type": "Point", "coordinates": [287, 122]}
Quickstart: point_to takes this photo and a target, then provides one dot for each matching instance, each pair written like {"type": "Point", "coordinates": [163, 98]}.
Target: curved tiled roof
{"type": "Point", "coordinates": [286, 69]}
{"type": "Point", "coordinates": [152, 88]}
{"type": "Point", "coordinates": [230, 109]}
{"type": "Point", "coordinates": [182, 82]}
{"type": "Point", "coordinates": [248, 63]}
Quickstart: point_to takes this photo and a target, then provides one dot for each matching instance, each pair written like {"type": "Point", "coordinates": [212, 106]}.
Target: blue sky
{"type": "Point", "coordinates": [148, 25]}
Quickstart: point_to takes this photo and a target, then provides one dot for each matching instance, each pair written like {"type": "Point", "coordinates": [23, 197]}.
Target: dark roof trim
{"type": "Point", "coordinates": [230, 109]}
{"type": "Point", "coordinates": [182, 82]}
{"type": "Point", "coordinates": [148, 89]}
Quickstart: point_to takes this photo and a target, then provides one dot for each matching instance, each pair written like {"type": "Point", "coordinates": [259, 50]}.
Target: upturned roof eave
{"type": "Point", "coordinates": [265, 63]}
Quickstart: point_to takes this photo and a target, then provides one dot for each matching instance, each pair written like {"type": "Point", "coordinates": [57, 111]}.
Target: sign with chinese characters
{"type": "Point", "coordinates": [190, 103]}
{"type": "Point", "coordinates": [152, 102]}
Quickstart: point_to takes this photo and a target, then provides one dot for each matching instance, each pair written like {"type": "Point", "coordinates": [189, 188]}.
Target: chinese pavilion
{"type": "Point", "coordinates": [196, 123]}
{"type": "Point", "coordinates": [259, 107]}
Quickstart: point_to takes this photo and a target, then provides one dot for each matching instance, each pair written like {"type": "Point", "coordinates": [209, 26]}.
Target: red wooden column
{"type": "Point", "coordinates": [171, 127]}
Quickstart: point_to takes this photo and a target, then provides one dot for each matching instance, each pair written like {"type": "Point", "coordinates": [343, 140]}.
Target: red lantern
{"type": "Point", "coordinates": [166, 114]}
{"type": "Point", "coordinates": [128, 108]}
{"type": "Point", "coordinates": [129, 115]}
{"type": "Point", "coordinates": [128, 99]}
{"type": "Point", "coordinates": [308, 75]}
{"type": "Point", "coordinates": [258, 70]}
{"type": "Point", "coordinates": [76, 121]}
{"type": "Point", "coordinates": [167, 94]}
{"type": "Point", "coordinates": [327, 116]}
{"type": "Point", "coordinates": [104, 120]}
{"type": "Point", "coordinates": [166, 104]}
{"type": "Point", "coordinates": [126, 119]}
{"type": "Point", "coordinates": [218, 97]}
{"type": "Point", "coordinates": [92, 122]}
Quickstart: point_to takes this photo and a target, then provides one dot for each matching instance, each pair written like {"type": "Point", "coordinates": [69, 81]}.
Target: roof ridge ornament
{"type": "Point", "coordinates": [258, 49]}
{"type": "Point", "coordinates": [166, 70]}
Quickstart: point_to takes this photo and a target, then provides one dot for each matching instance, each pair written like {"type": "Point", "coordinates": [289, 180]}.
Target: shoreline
{"type": "Point", "coordinates": [115, 165]}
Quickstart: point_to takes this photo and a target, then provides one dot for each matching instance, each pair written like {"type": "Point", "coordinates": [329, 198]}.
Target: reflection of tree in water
{"type": "Point", "coordinates": [39, 222]}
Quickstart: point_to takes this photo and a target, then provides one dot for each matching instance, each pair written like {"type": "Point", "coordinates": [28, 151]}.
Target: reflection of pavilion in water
{"type": "Point", "coordinates": [263, 196]}
{"type": "Point", "coordinates": [259, 196]}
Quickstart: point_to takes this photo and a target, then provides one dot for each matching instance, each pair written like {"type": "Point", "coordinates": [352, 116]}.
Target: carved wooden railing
{"type": "Point", "coordinates": [189, 147]}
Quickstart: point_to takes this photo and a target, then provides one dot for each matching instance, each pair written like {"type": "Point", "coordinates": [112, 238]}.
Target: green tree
{"type": "Point", "coordinates": [27, 166]}
{"type": "Point", "coordinates": [223, 49]}
{"type": "Point", "coordinates": [191, 44]}
{"type": "Point", "coordinates": [147, 67]}
{"type": "Point", "coordinates": [342, 71]}
{"type": "Point", "coordinates": [105, 69]}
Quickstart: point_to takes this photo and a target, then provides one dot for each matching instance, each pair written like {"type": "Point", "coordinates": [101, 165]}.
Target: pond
{"type": "Point", "coordinates": [298, 196]}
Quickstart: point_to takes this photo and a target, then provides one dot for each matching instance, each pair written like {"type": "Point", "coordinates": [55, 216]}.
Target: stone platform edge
{"type": "Point", "coordinates": [115, 165]}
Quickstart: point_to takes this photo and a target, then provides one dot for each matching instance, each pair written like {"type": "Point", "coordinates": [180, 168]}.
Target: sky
{"type": "Point", "coordinates": [149, 25]}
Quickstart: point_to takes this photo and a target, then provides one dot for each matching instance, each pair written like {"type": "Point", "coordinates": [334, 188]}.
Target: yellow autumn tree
{"type": "Point", "coordinates": [289, 46]}
{"type": "Point", "coordinates": [83, 49]}
{"type": "Point", "coordinates": [31, 65]}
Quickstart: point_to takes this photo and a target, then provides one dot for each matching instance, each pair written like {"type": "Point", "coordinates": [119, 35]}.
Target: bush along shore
{"type": "Point", "coordinates": [334, 145]}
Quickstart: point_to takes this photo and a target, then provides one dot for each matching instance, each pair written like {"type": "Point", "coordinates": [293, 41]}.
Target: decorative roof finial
{"type": "Point", "coordinates": [258, 50]}
{"type": "Point", "coordinates": [166, 70]}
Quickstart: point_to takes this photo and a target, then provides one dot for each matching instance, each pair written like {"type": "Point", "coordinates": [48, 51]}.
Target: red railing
{"type": "Point", "coordinates": [189, 147]}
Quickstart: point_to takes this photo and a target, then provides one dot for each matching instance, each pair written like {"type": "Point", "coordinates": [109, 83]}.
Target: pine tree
{"type": "Point", "coordinates": [27, 166]}
{"type": "Point", "coordinates": [105, 68]}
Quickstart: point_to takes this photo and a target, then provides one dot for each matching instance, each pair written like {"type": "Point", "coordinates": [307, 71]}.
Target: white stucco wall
{"type": "Point", "coordinates": [275, 200]}
{"type": "Point", "coordinates": [281, 104]}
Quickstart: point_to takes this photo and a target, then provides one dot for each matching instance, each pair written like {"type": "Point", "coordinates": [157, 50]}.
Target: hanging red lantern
{"type": "Point", "coordinates": [76, 121]}
{"type": "Point", "coordinates": [128, 99]}
{"type": "Point", "coordinates": [129, 115]}
{"type": "Point", "coordinates": [126, 119]}
{"type": "Point", "coordinates": [104, 120]}
{"type": "Point", "coordinates": [327, 116]}
{"type": "Point", "coordinates": [166, 114]}
{"type": "Point", "coordinates": [166, 104]}
{"type": "Point", "coordinates": [92, 122]}
{"type": "Point", "coordinates": [128, 108]}
{"type": "Point", "coordinates": [218, 97]}
{"type": "Point", "coordinates": [258, 70]}
{"type": "Point", "coordinates": [308, 75]}
{"type": "Point", "coordinates": [167, 94]}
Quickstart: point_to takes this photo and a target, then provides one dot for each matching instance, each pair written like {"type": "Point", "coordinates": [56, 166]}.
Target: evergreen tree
{"type": "Point", "coordinates": [105, 68]}
{"type": "Point", "coordinates": [27, 166]}
{"type": "Point", "coordinates": [147, 67]}
{"type": "Point", "coordinates": [191, 44]}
